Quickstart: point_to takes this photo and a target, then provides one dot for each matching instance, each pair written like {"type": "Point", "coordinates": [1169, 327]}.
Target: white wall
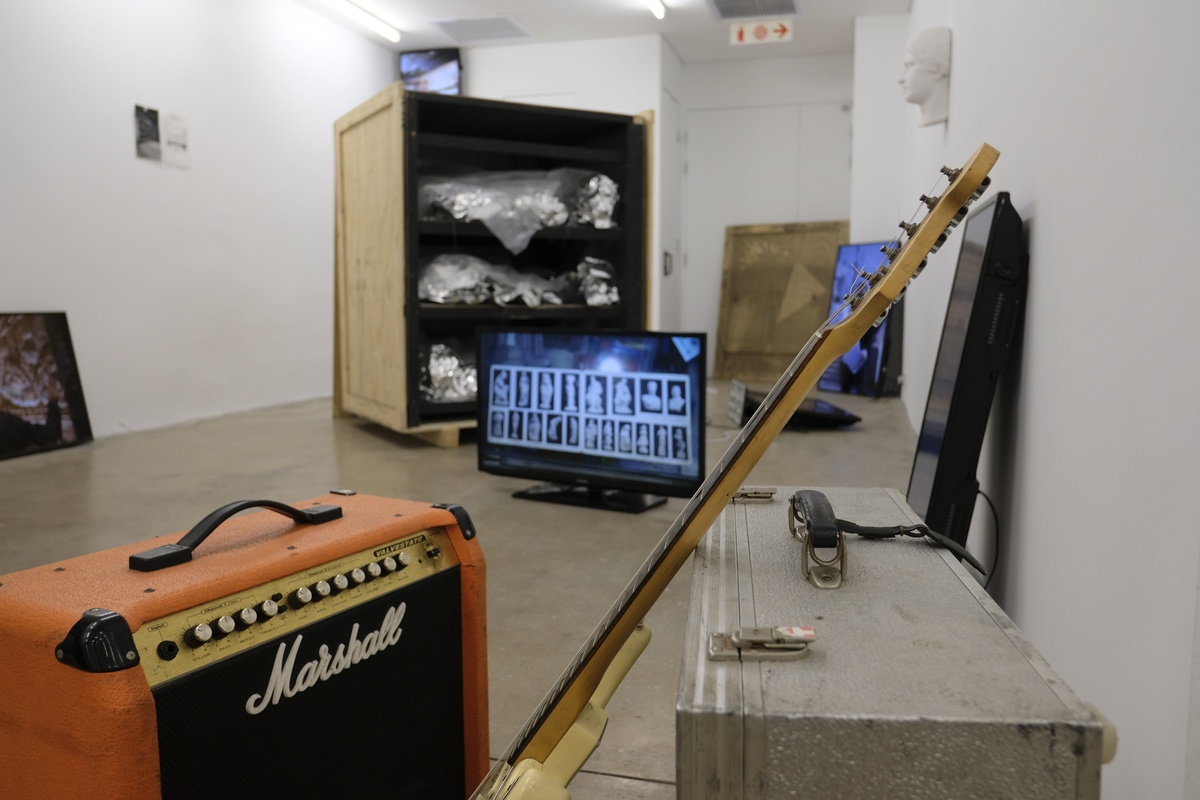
{"type": "Point", "coordinates": [669, 191]}
{"type": "Point", "coordinates": [768, 141]}
{"type": "Point", "coordinates": [621, 75]}
{"type": "Point", "coordinates": [878, 126]}
{"type": "Point", "coordinates": [1088, 106]}
{"type": "Point", "coordinates": [193, 292]}
{"type": "Point", "coordinates": [629, 75]}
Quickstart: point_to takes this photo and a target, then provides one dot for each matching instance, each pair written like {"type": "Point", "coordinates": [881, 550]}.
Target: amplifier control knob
{"type": "Point", "coordinates": [245, 618]}
{"type": "Point", "coordinates": [339, 583]}
{"type": "Point", "coordinates": [356, 576]}
{"type": "Point", "coordinates": [403, 559]}
{"type": "Point", "coordinates": [300, 597]}
{"type": "Point", "coordinates": [433, 552]}
{"type": "Point", "coordinates": [373, 570]}
{"type": "Point", "coordinates": [267, 609]}
{"type": "Point", "coordinates": [321, 589]}
{"type": "Point", "coordinates": [389, 564]}
{"type": "Point", "coordinates": [223, 626]}
{"type": "Point", "coordinates": [198, 635]}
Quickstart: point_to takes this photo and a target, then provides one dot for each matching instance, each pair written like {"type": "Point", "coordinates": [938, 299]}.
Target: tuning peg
{"type": "Point", "coordinates": [861, 274]}
{"type": "Point", "coordinates": [890, 250]}
{"type": "Point", "coordinates": [869, 278]}
{"type": "Point", "coordinates": [959, 217]}
{"type": "Point", "coordinates": [921, 266]}
{"type": "Point", "coordinates": [909, 227]}
{"type": "Point", "coordinates": [987, 181]}
{"type": "Point", "coordinates": [941, 240]}
{"type": "Point", "coordinates": [951, 173]}
{"type": "Point", "coordinates": [930, 201]}
{"type": "Point", "coordinates": [882, 317]}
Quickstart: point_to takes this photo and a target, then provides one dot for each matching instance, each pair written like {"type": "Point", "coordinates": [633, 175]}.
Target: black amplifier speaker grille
{"type": "Point", "coordinates": [364, 704]}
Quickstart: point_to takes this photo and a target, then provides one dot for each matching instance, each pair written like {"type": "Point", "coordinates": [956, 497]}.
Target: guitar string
{"type": "Point", "coordinates": [668, 541]}
{"type": "Point", "coordinates": [665, 544]}
{"type": "Point", "coordinates": [660, 551]}
{"type": "Point", "coordinates": [861, 283]}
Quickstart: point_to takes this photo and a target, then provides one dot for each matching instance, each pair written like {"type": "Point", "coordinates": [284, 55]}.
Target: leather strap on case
{"type": "Point", "coordinates": [814, 510]}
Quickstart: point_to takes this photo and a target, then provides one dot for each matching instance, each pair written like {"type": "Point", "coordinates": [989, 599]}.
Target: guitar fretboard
{"type": "Point", "coordinates": [869, 299]}
{"type": "Point", "coordinates": [708, 493]}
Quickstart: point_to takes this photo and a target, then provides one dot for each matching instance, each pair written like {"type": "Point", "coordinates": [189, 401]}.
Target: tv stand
{"type": "Point", "coordinates": [592, 497]}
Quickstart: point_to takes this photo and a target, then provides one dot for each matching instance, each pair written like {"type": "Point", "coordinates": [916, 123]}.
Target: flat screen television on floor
{"type": "Point", "coordinates": [983, 318]}
{"type": "Point", "coordinates": [608, 419]}
{"type": "Point", "coordinates": [872, 367]}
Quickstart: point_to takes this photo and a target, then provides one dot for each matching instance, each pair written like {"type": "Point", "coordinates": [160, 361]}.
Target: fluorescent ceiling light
{"type": "Point", "coordinates": [364, 18]}
{"type": "Point", "coordinates": [657, 8]}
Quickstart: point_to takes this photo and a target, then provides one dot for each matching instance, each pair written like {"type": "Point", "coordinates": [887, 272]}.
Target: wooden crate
{"type": "Point", "coordinates": [382, 330]}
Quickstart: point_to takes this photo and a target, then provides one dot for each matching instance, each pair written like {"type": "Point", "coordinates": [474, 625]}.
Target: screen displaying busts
{"type": "Point", "coordinates": [926, 75]}
{"type": "Point", "coordinates": [611, 419]}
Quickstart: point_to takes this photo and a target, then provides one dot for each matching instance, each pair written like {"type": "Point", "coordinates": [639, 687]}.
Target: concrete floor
{"type": "Point", "coordinates": [553, 571]}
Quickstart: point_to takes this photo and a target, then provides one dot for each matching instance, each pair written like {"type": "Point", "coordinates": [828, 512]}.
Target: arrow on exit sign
{"type": "Point", "coordinates": [763, 31]}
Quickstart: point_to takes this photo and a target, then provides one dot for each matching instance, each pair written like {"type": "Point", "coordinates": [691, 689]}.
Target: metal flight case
{"type": "Point", "coordinates": [905, 681]}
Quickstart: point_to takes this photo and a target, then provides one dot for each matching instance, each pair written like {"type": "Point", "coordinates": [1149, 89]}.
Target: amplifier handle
{"type": "Point", "coordinates": [171, 554]}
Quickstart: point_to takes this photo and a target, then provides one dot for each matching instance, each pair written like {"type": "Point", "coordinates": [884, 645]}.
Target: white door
{"type": "Point", "coordinates": [754, 166]}
{"type": "Point", "coordinates": [670, 183]}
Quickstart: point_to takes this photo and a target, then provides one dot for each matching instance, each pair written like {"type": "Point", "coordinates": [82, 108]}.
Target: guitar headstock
{"type": "Point", "coordinates": [872, 296]}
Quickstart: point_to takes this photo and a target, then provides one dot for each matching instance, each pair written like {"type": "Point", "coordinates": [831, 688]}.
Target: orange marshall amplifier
{"type": "Point", "coordinates": [341, 652]}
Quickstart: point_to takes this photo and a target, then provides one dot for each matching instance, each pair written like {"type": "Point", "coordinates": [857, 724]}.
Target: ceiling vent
{"type": "Point", "coordinates": [465, 31]}
{"type": "Point", "coordinates": [743, 9]}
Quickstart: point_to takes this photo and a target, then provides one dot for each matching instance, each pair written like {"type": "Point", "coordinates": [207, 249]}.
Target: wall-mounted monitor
{"type": "Point", "coordinates": [435, 71]}
{"type": "Point", "coordinates": [873, 366]}
{"type": "Point", "coordinates": [983, 318]}
{"type": "Point", "coordinates": [608, 419]}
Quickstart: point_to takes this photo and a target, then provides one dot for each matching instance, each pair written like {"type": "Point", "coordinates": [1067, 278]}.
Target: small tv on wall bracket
{"type": "Point", "coordinates": [434, 71]}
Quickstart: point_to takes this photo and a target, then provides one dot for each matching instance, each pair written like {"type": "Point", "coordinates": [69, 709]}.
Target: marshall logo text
{"type": "Point", "coordinates": [286, 681]}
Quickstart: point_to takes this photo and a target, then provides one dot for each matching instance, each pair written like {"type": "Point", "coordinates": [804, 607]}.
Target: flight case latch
{"type": "Point", "coordinates": [762, 644]}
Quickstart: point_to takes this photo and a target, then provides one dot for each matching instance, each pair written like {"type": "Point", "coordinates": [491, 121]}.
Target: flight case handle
{"type": "Point", "coordinates": [169, 555]}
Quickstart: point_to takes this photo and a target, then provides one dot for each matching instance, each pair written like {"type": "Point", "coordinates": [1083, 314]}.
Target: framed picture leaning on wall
{"type": "Point", "coordinates": [41, 395]}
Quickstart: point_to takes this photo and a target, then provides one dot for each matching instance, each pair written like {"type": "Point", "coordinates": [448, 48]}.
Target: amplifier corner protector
{"type": "Point", "coordinates": [461, 517]}
{"type": "Point", "coordinates": [100, 641]}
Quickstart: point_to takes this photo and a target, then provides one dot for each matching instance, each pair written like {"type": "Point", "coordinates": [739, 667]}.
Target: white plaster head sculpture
{"type": "Point", "coordinates": [926, 77]}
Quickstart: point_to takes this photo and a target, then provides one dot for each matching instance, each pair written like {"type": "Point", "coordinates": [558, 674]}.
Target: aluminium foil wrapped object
{"type": "Point", "coordinates": [596, 282]}
{"type": "Point", "coordinates": [461, 278]}
{"type": "Point", "coordinates": [515, 205]}
{"type": "Point", "coordinates": [450, 375]}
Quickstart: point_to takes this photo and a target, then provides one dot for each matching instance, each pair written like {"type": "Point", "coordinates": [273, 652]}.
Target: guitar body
{"type": "Point", "coordinates": [867, 302]}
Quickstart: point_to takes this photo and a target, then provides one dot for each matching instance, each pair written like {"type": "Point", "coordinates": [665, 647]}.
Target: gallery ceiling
{"type": "Point", "coordinates": [697, 30]}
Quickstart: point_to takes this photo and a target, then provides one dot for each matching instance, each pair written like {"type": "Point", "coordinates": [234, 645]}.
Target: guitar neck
{"type": "Point", "coordinates": [867, 302]}
{"type": "Point", "coordinates": [578, 682]}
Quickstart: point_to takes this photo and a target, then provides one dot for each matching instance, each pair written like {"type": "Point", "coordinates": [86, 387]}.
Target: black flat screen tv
{"type": "Point", "coordinates": [872, 367]}
{"type": "Point", "coordinates": [435, 71]}
{"type": "Point", "coordinates": [983, 318]}
{"type": "Point", "coordinates": [608, 419]}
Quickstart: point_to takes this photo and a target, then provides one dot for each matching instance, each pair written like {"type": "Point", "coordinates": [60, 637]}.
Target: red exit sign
{"type": "Point", "coordinates": [762, 31]}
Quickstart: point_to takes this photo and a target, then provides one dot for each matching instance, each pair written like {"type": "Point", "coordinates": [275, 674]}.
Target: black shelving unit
{"type": "Point", "coordinates": [463, 134]}
{"type": "Point", "coordinates": [383, 329]}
